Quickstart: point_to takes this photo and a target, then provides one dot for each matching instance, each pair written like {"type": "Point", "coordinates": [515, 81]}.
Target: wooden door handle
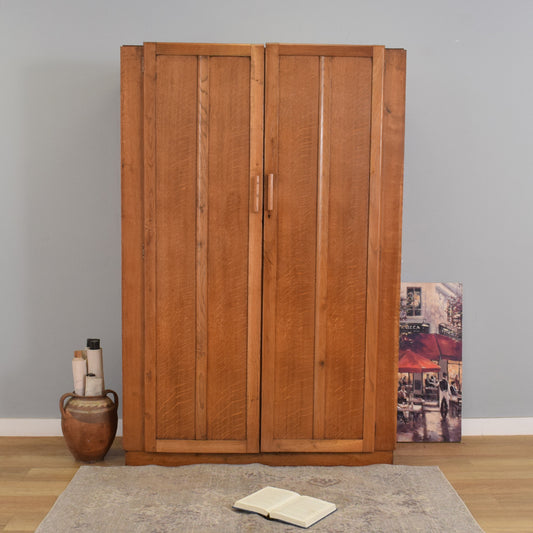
{"type": "Point", "coordinates": [270, 195]}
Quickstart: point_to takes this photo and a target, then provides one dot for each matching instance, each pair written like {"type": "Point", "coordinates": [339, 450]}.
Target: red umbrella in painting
{"type": "Point", "coordinates": [414, 362]}
{"type": "Point", "coordinates": [437, 346]}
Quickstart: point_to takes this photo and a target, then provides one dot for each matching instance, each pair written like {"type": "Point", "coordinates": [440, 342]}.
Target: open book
{"type": "Point", "coordinates": [286, 505]}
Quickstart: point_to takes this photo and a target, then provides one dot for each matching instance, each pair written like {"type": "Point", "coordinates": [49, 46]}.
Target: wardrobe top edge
{"type": "Point", "coordinates": [247, 45]}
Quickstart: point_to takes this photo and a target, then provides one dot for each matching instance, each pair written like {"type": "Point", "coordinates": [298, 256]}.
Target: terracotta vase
{"type": "Point", "coordinates": [89, 424]}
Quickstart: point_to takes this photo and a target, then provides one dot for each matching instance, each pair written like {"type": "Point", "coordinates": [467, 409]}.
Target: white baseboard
{"type": "Point", "coordinates": [497, 426]}
{"type": "Point", "coordinates": [51, 427]}
{"type": "Point", "coordinates": [36, 427]}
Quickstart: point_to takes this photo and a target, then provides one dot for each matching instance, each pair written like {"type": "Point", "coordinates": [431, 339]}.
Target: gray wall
{"type": "Point", "coordinates": [468, 170]}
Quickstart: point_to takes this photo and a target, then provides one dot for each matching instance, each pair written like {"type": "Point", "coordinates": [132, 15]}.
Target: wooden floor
{"type": "Point", "coordinates": [493, 476]}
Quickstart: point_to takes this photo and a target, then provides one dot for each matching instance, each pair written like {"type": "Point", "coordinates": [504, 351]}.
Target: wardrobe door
{"type": "Point", "coordinates": [203, 120]}
{"type": "Point", "coordinates": [323, 117]}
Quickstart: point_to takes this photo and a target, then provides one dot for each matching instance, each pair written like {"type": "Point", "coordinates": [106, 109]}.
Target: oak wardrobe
{"type": "Point", "coordinates": [261, 238]}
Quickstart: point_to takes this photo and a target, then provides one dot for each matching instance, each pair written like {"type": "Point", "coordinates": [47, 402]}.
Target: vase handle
{"type": "Point", "coordinates": [62, 402]}
{"type": "Point", "coordinates": [115, 395]}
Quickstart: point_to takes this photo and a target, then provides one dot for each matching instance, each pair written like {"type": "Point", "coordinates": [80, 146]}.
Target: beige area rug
{"type": "Point", "coordinates": [199, 498]}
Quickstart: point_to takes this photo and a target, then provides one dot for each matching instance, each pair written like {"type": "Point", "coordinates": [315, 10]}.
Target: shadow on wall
{"type": "Point", "coordinates": [69, 230]}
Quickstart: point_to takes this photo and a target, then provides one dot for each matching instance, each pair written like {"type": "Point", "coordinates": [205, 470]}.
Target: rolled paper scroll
{"type": "Point", "coordinates": [94, 386]}
{"type": "Point", "coordinates": [79, 370]}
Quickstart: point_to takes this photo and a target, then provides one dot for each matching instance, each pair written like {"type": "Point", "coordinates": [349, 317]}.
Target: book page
{"type": "Point", "coordinates": [264, 500]}
{"type": "Point", "coordinates": [303, 511]}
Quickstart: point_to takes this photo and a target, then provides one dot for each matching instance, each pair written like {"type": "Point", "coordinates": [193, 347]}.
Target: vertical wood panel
{"type": "Point", "coordinates": [296, 236]}
{"type": "Point", "coordinates": [202, 221]}
{"type": "Point", "coordinates": [131, 114]}
{"type": "Point", "coordinates": [374, 224]}
{"type": "Point", "coordinates": [348, 236]}
{"type": "Point", "coordinates": [324, 162]}
{"type": "Point", "coordinates": [270, 251]}
{"type": "Point", "coordinates": [176, 159]}
{"type": "Point", "coordinates": [149, 247]}
{"type": "Point", "coordinates": [391, 244]}
{"type": "Point", "coordinates": [227, 267]}
{"type": "Point", "coordinates": [257, 88]}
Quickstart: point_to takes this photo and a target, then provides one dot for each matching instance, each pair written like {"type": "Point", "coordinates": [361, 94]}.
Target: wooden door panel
{"type": "Point", "coordinates": [227, 246]}
{"type": "Point", "coordinates": [347, 236]}
{"type": "Point", "coordinates": [320, 141]}
{"type": "Point", "coordinates": [202, 248]}
{"type": "Point", "coordinates": [175, 223]}
{"type": "Point", "coordinates": [296, 244]}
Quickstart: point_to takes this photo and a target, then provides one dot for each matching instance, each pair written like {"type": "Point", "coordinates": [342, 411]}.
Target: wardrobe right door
{"type": "Point", "coordinates": [321, 284]}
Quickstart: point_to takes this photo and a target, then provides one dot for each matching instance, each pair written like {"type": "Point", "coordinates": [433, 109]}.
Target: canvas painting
{"type": "Point", "coordinates": [430, 366]}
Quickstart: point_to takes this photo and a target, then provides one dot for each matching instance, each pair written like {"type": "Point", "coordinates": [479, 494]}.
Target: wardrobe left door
{"type": "Point", "coordinates": [201, 135]}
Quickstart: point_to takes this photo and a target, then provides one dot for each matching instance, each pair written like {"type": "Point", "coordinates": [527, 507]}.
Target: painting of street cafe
{"type": "Point", "coordinates": [430, 366]}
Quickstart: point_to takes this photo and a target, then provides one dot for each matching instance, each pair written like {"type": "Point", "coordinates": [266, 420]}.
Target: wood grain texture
{"type": "Point", "coordinates": [175, 243]}
{"type": "Point", "coordinates": [150, 339]}
{"type": "Point", "coordinates": [34, 471]}
{"type": "Point", "coordinates": [227, 267]}
{"type": "Point", "coordinates": [326, 50]}
{"type": "Point", "coordinates": [205, 116]}
{"type": "Point", "coordinates": [322, 245]}
{"type": "Point", "coordinates": [273, 459]}
{"type": "Point", "coordinates": [318, 364]}
{"type": "Point", "coordinates": [203, 49]}
{"type": "Point", "coordinates": [345, 313]}
{"type": "Point", "coordinates": [270, 251]}
{"type": "Point", "coordinates": [492, 475]}
{"type": "Point", "coordinates": [295, 205]}
{"type": "Point", "coordinates": [312, 445]}
{"type": "Point", "coordinates": [202, 243]}
{"type": "Point", "coordinates": [201, 446]}
{"type": "Point", "coordinates": [374, 228]}
{"type": "Point", "coordinates": [391, 245]}
{"type": "Point", "coordinates": [255, 247]}
{"type": "Point", "coordinates": [131, 116]}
